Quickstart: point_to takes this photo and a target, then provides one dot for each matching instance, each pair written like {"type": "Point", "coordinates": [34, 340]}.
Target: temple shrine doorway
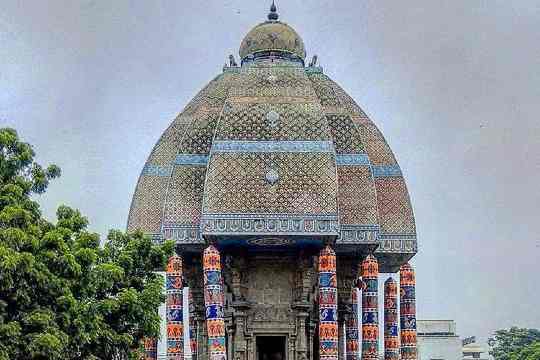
{"type": "Point", "coordinates": [271, 348]}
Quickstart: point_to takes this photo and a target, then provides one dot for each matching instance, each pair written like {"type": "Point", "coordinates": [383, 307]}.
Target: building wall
{"type": "Point", "coordinates": [437, 340]}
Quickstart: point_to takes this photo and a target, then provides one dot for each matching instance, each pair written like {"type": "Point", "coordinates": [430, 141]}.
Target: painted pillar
{"type": "Point", "coordinates": [150, 349]}
{"type": "Point", "coordinates": [407, 312]}
{"type": "Point", "coordinates": [192, 327]}
{"type": "Point", "coordinates": [175, 328]}
{"type": "Point", "coordinates": [352, 328]}
{"type": "Point", "coordinates": [213, 300]}
{"type": "Point", "coordinates": [370, 310]}
{"type": "Point", "coordinates": [328, 326]}
{"type": "Point", "coordinates": [391, 336]}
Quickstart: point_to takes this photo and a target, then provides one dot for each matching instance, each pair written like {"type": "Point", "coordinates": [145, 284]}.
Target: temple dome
{"type": "Point", "coordinates": [272, 38]}
{"type": "Point", "coordinates": [274, 154]}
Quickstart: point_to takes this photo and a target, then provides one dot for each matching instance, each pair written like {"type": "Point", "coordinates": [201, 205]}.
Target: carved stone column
{"type": "Point", "coordinates": [150, 349]}
{"type": "Point", "coordinates": [214, 301]}
{"type": "Point", "coordinates": [370, 309]}
{"type": "Point", "coordinates": [174, 305]}
{"type": "Point", "coordinates": [231, 335]}
{"type": "Point", "coordinates": [341, 335]}
{"type": "Point", "coordinates": [240, 317]}
{"type": "Point", "coordinates": [301, 342]}
{"type": "Point", "coordinates": [328, 327]}
{"type": "Point", "coordinates": [408, 312]}
{"type": "Point", "coordinates": [391, 335]}
{"type": "Point", "coordinates": [202, 334]}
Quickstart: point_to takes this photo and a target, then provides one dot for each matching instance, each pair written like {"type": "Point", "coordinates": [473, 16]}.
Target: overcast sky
{"type": "Point", "coordinates": [453, 85]}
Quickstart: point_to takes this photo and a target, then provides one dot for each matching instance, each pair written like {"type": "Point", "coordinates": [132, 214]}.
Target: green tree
{"type": "Point", "coordinates": [62, 294]}
{"type": "Point", "coordinates": [530, 352]}
{"type": "Point", "coordinates": [507, 344]}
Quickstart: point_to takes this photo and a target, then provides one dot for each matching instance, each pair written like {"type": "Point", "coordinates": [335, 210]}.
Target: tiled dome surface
{"type": "Point", "coordinates": [275, 149]}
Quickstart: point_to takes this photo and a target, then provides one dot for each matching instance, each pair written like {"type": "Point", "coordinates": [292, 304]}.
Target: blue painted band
{"type": "Point", "coordinates": [191, 159]}
{"type": "Point", "coordinates": [386, 171]}
{"type": "Point", "coordinates": [273, 146]}
{"type": "Point", "coordinates": [157, 170]}
{"type": "Point", "coordinates": [352, 159]}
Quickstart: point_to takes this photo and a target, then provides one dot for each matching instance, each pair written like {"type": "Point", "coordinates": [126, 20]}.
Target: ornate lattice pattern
{"type": "Point", "coordinates": [323, 88]}
{"type": "Point", "coordinates": [236, 183]}
{"type": "Point", "coordinates": [147, 205]}
{"type": "Point", "coordinates": [212, 97]}
{"type": "Point", "coordinates": [271, 81]}
{"type": "Point", "coordinates": [250, 122]}
{"type": "Point", "coordinates": [395, 212]}
{"type": "Point", "coordinates": [198, 138]}
{"type": "Point", "coordinates": [357, 199]}
{"type": "Point", "coordinates": [165, 149]}
{"type": "Point", "coordinates": [344, 99]}
{"type": "Point", "coordinates": [378, 150]}
{"type": "Point", "coordinates": [184, 199]}
{"type": "Point", "coordinates": [274, 102]}
{"type": "Point", "coordinates": [345, 134]}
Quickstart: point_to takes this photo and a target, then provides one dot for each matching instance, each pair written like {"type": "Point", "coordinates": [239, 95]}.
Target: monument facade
{"type": "Point", "coordinates": [285, 202]}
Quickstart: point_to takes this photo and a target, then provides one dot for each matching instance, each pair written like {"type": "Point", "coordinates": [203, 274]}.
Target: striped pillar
{"type": "Point", "coordinates": [370, 311]}
{"type": "Point", "coordinates": [175, 328]}
{"type": "Point", "coordinates": [391, 336]}
{"type": "Point", "coordinates": [407, 312]}
{"type": "Point", "coordinates": [213, 300]}
{"type": "Point", "coordinates": [352, 328]}
{"type": "Point", "coordinates": [192, 327]}
{"type": "Point", "coordinates": [328, 326]}
{"type": "Point", "coordinates": [150, 349]}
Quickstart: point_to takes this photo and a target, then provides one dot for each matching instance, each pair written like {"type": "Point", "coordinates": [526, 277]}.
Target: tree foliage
{"type": "Point", "coordinates": [63, 295]}
{"type": "Point", "coordinates": [529, 352]}
{"type": "Point", "coordinates": [515, 344]}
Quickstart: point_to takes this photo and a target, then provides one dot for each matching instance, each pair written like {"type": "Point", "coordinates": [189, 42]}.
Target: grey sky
{"type": "Point", "coordinates": [453, 85]}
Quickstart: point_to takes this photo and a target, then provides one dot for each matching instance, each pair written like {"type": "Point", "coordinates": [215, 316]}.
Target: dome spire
{"type": "Point", "coordinates": [273, 15]}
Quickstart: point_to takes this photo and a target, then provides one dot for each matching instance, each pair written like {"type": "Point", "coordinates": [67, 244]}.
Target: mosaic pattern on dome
{"type": "Point", "coordinates": [211, 97]}
{"type": "Point", "coordinates": [344, 99]}
{"type": "Point", "coordinates": [165, 149]}
{"type": "Point", "coordinates": [376, 146]}
{"type": "Point", "coordinates": [236, 183]}
{"type": "Point", "coordinates": [198, 138]}
{"type": "Point", "coordinates": [324, 90]}
{"type": "Point", "coordinates": [272, 81]}
{"type": "Point", "coordinates": [147, 205]}
{"type": "Point", "coordinates": [184, 198]}
{"type": "Point", "coordinates": [345, 134]}
{"type": "Point", "coordinates": [276, 128]}
{"type": "Point", "coordinates": [357, 196]}
{"type": "Point", "coordinates": [395, 211]}
{"type": "Point", "coordinates": [250, 122]}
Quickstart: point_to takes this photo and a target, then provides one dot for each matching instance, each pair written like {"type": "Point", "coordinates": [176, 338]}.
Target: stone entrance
{"type": "Point", "coordinates": [271, 347]}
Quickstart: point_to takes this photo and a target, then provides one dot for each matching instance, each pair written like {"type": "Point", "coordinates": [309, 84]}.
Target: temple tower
{"type": "Point", "coordinates": [269, 172]}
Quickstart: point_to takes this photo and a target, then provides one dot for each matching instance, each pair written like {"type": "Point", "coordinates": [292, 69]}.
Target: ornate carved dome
{"type": "Point", "coordinates": [274, 154]}
{"type": "Point", "coordinates": [272, 36]}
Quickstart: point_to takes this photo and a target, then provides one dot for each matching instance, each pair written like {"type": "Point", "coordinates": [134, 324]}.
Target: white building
{"type": "Point", "coordinates": [438, 340]}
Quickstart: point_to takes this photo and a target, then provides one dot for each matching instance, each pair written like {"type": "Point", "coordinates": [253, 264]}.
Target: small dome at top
{"type": "Point", "coordinates": [272, 35]}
